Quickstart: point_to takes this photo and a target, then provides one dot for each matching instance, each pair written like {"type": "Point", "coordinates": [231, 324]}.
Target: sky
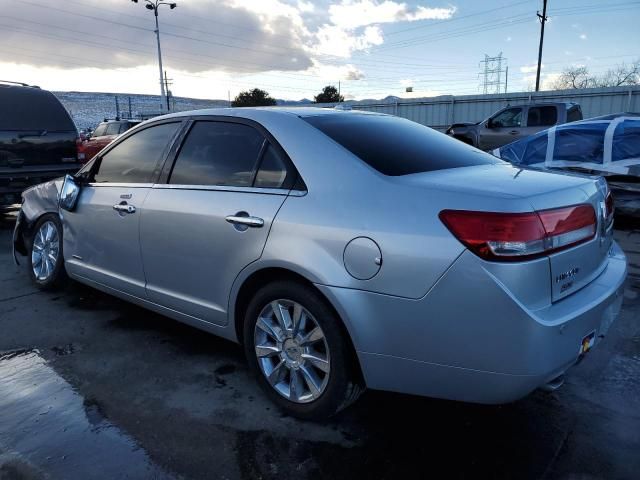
{"type": "Point", "coordinates": [214, 49]}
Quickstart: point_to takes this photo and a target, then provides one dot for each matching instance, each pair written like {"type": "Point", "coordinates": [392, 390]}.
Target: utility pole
{"type": "Point", "coordinates": [117, 108]}
{"type": "Point", "coordinates": [154, 5]}
{"type": "Point", "coordinates": [543, 20]}
{"type": "Point", "coordinates": [506, 79]}
{"type": "Point", "coordinates": [167, 82]}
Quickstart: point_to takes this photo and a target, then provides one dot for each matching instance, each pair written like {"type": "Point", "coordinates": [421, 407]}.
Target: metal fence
{"type": "Point", "coordinates": [440, 112]}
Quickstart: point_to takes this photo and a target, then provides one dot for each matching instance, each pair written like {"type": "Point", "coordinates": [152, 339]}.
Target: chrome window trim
{"type": "Point", "coordinates": [120, 184]}
{"type": "Point", "coordinates": [223, 188]}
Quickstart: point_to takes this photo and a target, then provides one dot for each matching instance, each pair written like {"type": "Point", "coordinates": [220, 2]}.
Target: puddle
{"type": "Point", "coordinates": [47, 427]}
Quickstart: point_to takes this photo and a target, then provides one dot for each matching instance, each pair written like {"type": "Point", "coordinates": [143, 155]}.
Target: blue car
{"type": "Point", "coordinates": [608, 146]}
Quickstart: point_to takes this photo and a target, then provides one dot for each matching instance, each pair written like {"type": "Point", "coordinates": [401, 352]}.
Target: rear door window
{"type": "Point", "coordinates": [273, 170]}
{"type": "Point", "coordinates": [542, 116]}
{"type": "Point", "coordinates": [218, 153]}
{"type": "Point", "coordinates": [134, 160]}
{"type": "Point", "coordinates": [32, 109]}
{"type": "Point", "coordinates": [396, 146]}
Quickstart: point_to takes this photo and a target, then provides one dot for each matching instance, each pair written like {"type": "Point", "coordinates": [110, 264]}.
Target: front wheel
{"type": "Point", "coordinates": [45, 259]}
{"type": "Point", "coordinates": [297, 349]}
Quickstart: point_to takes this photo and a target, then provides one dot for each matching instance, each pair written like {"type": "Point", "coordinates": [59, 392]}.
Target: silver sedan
{"type": "Point", "coordinates": [344, 250]}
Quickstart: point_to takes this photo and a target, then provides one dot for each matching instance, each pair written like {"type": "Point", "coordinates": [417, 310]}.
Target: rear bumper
{"type": "Point", "coordinates": [469, 339]}
{"type": "Point", "coordinates": [14, 181]}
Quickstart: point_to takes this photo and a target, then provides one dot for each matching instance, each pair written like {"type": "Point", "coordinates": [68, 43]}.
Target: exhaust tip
{"type": "Point", "coordinates": [554, 384]}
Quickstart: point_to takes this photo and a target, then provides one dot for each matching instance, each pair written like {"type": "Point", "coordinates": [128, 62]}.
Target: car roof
{"type": "Point", "coordinates": [252, 112]}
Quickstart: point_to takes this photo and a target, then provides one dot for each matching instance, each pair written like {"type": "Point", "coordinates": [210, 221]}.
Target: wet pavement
{"type": "Point", "coordinates": [92, 387]}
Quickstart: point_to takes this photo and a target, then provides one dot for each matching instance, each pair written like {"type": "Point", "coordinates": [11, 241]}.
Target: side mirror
{"type": "Point", "coordinates": [490, 123]}
{"type": "Point", "coordinates": [68, 194]}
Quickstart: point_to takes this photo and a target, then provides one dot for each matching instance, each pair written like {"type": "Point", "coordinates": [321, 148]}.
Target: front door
{"type": "Point", "coordinates": [101, 236]}
{"type": "Point", "coordinates": [503, 128]}
{"type": "Point", "coordinates": [212, 218]}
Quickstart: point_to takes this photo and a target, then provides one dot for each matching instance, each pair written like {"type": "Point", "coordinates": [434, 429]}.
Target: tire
{"type": "Point", "coordinates": [47, 237]}
{"type": "Point", "coordinates": [319, 394]}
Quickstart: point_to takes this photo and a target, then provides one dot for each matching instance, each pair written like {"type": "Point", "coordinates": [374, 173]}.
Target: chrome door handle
{"type": "Point", "coordinates": [124, 208]}
{"type": "Point", "coordinates": [514, 132]}
{"type": "Point", "coordinates": [254, 222]}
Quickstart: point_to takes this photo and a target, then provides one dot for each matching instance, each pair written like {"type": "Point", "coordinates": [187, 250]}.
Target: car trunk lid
{"type": "Point", "coordinates": [570, 267]}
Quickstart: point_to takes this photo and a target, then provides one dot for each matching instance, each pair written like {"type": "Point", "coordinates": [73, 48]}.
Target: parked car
{"type": "Point", "coordinates": [343, 249]}
{"type": "Point", "coordinates": [608, 146]}
{"type": "Point", "coordinates": [514, 122]}
{"type": "Point", "coordinates": [103, 135]}
{"type": "Point", "coordinates": [37, 139]}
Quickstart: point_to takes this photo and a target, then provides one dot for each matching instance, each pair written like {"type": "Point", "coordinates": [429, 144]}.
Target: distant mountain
{"type": "Point", "coordinates": [90, 108]}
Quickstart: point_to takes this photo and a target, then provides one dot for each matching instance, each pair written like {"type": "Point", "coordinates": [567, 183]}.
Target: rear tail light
{"type": "Point", "coordinates": [521, 236]}
{"type": "Point", "coordinates": [609, 206]}
{"type": "Point", "coordinates": [80, 154]}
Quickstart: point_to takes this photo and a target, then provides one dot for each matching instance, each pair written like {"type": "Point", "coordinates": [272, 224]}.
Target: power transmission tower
{"type": "Point", "coordinates": [543, 20]}
{"type": "Point", "coordinates": [491, 71]}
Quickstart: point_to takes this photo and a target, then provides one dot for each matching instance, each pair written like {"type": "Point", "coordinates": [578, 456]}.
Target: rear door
{"type": "Point", "coordinates": [539, 118]}
{"type": "Point", "coordinates": [212, 217]}
{"type": "Point", "coordinates": [101, 236]}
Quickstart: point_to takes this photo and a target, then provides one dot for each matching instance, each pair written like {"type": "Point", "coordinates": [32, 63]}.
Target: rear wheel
{"type": "Point", "coordinates": [45, 259]}
{"type": "Point", "coordinates": [297, 349]}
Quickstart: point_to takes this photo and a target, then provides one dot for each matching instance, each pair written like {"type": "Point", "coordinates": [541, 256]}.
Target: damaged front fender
{"type": "Point", "coordinates": [37, 201]}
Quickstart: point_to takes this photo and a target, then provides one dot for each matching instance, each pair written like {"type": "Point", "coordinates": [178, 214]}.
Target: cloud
{"type": "Point", "coordinates": [532, 68]}
{"type": "Point", "coordinates": [333, 73]}
{"type": "Point", "coordinates": [583, 36]}
{"type": "Point", "coordinates": [233, 37]}
{"type": "Point", "coordinates": [336, 41]}
{"type": "Point", "coordinates": [351, 14]}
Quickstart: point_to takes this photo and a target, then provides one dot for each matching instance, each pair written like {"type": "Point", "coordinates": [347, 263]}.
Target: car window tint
{"type": "Point", "coordinates": [134, 159]}
{"type": "Point", "coordinates": [512, 117]}
{"type": "Point", "coordinates": [124, 126]}
{"type": "Point", "coordinates": [396, 146]}
{"type": "Point", "coordinates": [580, 143]}
{"type": "Point", "coordinates": [542, 116]}
{"type": "Point", "coordinates": [574, 114]}
{"type": "Point", "coordinates": [100, 130]}
{"type": "Point", "coordinates": [113, 129]}
{"type": "Point", "coordinates": [273, 170]}
{"type": "Point", "coordinates": [626, 141]}
{"type": "Point", "coordinates": [218, 153]}
{"type": "Point", "coordinates": [28, 108]}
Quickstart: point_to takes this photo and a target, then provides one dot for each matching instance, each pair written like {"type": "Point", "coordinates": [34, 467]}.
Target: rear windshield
{"type": "Point", "coordinates": [395, 146]}
{"type": "Point", "coordinates": [26, 108]}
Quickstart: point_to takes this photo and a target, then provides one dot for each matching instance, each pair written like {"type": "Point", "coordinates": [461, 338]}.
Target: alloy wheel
{"type": "Point", "coordinates": [292, 351]}
{"type": "Point", "coordinates": [45, 251]}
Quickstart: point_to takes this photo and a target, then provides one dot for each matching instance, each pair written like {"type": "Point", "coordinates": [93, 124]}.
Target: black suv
{"type": "Point", "coordinates": [38, 139]}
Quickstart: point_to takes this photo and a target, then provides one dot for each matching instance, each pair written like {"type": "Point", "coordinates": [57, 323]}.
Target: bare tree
{"type": "Point", "coordinates": [573, 77]}
{"type": "Point", "coordinates": [579, 77]}
{"type": "Point", "coordinates": [621, 75]}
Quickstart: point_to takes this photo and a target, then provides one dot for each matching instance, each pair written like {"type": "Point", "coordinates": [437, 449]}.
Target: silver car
{"type": "Point", "coordinates": [344, 250]}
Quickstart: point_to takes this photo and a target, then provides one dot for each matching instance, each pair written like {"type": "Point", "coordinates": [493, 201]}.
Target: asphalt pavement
{"type": "Point", "coordinates": [93, 387]}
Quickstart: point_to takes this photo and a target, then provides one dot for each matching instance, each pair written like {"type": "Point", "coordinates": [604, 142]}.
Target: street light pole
{"type": "Point", "coordinates": [162, 92]}
{"type": "Point", "coordinates": [154, 5]}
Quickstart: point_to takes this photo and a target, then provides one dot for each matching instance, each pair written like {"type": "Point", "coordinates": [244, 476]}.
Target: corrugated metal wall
{"type": "Point", "coordinates": [440, 112]}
